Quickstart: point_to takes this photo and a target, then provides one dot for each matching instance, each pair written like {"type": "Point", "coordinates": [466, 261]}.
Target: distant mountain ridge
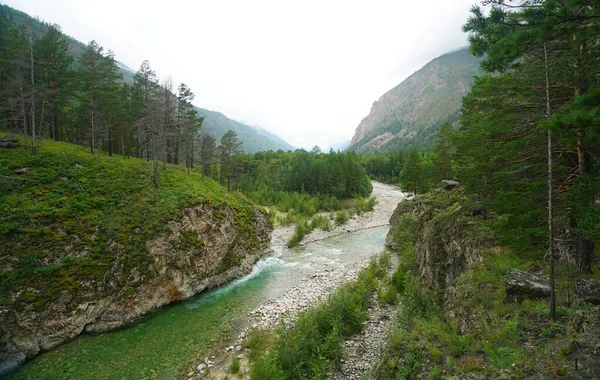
{"type": "Point", "coordinates": [408, 116]}
{"type": "Point", "coordinates": [254, 139]}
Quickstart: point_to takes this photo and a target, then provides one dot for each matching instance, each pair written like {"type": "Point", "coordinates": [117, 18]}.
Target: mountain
{"type": "Point", "coordinates": [254, 138]}
{"type": "Point", "coordinates": [408, 116]}
{"type": "Point", "coordinates": [342, 146]}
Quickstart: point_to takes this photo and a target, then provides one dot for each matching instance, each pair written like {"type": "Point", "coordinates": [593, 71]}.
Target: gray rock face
{"type": "Point", "coordinates": [413, 110]}
{"type": "Point", "coordinates": [445, 247]}
{"type": "Point", "coordinates": [522, 285]}
{"type": "Point", "coordinates": [223, 250]}
{"type": "Point", "coordinates": [449, 184]}
{"type": "Point", "coordinates": [9, 142]}
{"type": "Point", "coordinates": [587, 291]}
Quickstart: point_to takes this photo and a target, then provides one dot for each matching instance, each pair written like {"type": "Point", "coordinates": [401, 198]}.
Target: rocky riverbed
{"type": "Point", "coordinates": [314, 289]}
{"type": "Point", "coordinates": [387, 197]}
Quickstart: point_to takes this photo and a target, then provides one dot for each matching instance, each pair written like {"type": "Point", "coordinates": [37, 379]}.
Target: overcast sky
{"type": "Point", "coordinates": [308, 71]}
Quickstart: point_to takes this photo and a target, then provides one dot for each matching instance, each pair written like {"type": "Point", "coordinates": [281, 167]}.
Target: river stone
{"type": "Point", "coordinates": [201, 367]}
{"type": "Point", "coordinates": [521, 285]}
{"type": "Point", "coordinates": [587, 291]}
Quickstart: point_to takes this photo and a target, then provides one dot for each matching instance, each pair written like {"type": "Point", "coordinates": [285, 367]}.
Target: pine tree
{"type": "Point", "coordinates": [208, 146]}
{"type": "Point", "coordinates": [229, 148]}
{"type": "Point", "coordinates": [98, 74]}
{"type": "Point", "coordinates": [54, 78]}
{"type": "Point", "coordinates": [443, 152]}
{"type": "Point", "coordinates": [411, 177]}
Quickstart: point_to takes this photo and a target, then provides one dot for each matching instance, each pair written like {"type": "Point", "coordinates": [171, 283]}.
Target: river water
{"type": "Point", "coordinates": [162, 345]}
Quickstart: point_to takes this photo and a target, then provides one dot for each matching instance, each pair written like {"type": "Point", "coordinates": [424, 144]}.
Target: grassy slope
{"type": "Point", "coordinates": [60, 224]}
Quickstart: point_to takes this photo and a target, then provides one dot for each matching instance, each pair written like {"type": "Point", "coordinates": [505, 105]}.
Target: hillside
{"type": "Point", "coordinates": [87, 242]}
{"type": "Point", "coordinates": [407, 116]}
{"type": "Point", "coordinates": [254, 138]}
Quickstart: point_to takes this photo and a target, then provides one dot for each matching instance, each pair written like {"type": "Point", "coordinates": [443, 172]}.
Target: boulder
{"type": "Point", "coordinates": [587, 291]}
{"type": "Point", "coordinates": [449, 184]}
{"type": "Point", "coordinates": [521, 285]}
{"type": "Point", "coordinates": [9, 142]}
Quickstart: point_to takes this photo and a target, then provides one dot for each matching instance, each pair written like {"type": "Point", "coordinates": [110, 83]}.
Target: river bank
{"type": "Point", "coordinates": [311, 290]}
{"type": "Point", "coordinates": [388, 196]}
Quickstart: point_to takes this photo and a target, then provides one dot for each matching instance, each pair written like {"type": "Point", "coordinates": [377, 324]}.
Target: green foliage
{"type": "Point", "coordinates": [235, 364]}
{"type": "Point", "coordinates": [341, 217]}
{"type": "Point", "coordinates": [312, 345]}
{"type": "Point", "coordinates": [329, 177]}
{"type": "Point", "coordinates": [304, 227]}
{"type": "Point", "coordinates": [106, 211]}
{"type": "Point", "coordinates": [363, 205]}
{"type": "Point", "coordinates": [258, 343]}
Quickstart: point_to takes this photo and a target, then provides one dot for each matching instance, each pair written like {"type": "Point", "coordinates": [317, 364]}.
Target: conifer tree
{"type": "Point", "coordinates": [230, 147]}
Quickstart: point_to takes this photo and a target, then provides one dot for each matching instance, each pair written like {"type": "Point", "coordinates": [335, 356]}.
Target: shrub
{"type": "Point", "coordinates": [309, 347]}
{"type": "Point", "coordinates": [235, 365]}
{"type": "Point", "coordinates": [341, 217]}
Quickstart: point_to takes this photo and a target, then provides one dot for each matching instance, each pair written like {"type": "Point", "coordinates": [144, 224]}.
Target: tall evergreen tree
{"type": "Point", "coordinates": [98, 74]}
{"type": "Point", "coordinates": [54, 79]}
{"type": "Point", "coordinates": [411, 177]}
{"type": "Point", "coordinates": [230, 147]}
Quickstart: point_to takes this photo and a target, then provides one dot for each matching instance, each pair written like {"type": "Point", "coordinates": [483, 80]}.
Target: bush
{"type": "Point", "coordinates": [235, 365]}
{"type": "Point", "coordinates": [341, 217]}
{"type": "Point", "coordinates": [258, 343]}
{"type": "Point", "coordinates": [313, 344]}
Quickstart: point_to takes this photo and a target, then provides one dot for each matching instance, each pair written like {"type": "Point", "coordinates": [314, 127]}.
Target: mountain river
{"type": "Point", "coordinates": [163, 344]}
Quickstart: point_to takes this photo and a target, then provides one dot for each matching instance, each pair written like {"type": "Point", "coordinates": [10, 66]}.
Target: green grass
{"type": "Point", "coordinates": [310, 347]}
{"type": "Point", "coordinates": [235, 365]}
{"type": "Point", "coordinates": [74, 215]}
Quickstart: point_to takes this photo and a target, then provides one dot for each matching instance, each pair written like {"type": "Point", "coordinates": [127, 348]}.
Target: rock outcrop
{"type": "Point", "coordinates": [413, 111]}
{"type": "Point", "coordinates": [521, 285]}
{"type": "Point", "coordinates": [444, 241]}
{"type": "Point", "coordinates": [206, 246]}
{"type": "Point", "coordinates": [587, 291]}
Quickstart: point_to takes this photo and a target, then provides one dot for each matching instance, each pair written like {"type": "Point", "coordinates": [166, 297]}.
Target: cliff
{"type": "Point", "coordinates": [87, 244]}
{"type": "Point", "coordinates": [408, 116]}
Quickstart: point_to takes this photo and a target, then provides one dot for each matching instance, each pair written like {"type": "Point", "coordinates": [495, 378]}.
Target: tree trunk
{"type": "Point", "coordinates": [585, 254]}
{"type": "Point", "coordinates": [33, 142]}
{"type": "Point", "coordinates": [550, 196]}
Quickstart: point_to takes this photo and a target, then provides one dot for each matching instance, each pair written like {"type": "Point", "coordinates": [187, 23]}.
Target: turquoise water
{"type": "Point", "coordinates": [164, 344]}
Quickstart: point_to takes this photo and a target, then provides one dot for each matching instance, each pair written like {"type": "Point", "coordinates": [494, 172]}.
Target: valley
{"type": "Point", "coordinates": [455, 236]}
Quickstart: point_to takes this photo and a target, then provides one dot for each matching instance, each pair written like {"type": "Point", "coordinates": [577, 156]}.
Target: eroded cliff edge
{"type": "Point", "coordinates": [204, 246]}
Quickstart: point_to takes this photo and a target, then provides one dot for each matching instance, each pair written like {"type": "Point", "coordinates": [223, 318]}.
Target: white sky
{"type": "Point", "coordinates": [307, 70]}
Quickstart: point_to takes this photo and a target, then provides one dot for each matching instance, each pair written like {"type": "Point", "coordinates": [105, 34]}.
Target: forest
{"type": "Point", "coordinates": [48, 93]}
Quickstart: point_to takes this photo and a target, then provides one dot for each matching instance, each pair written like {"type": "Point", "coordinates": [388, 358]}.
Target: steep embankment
{"type": "Point", "coordinates": [408, 116]}
{"type": "Point", "coordinates": [472, 308]}
{"type": "Point", "coordinates": [88, 244]}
